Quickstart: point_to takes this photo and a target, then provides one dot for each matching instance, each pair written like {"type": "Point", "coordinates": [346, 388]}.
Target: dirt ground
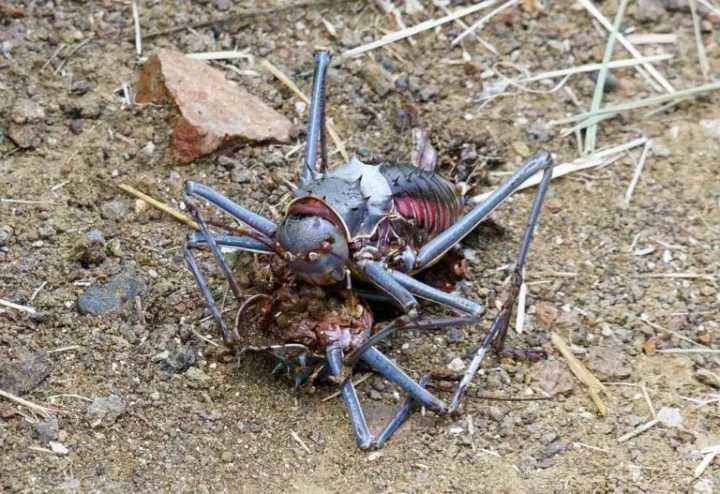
{"type": "Point", "coordinates": [186, 421]}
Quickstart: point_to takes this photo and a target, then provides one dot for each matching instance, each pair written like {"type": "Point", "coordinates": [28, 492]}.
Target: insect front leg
{"type": "Point", "coordinates": [316, 122]}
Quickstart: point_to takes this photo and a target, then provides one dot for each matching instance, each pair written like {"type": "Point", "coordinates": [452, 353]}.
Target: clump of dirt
{"type": "Point", "coordinates": [622, 282]}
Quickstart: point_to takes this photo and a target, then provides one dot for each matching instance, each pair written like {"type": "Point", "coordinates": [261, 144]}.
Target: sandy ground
{"type": "Point", "coordinates": [596, 268]}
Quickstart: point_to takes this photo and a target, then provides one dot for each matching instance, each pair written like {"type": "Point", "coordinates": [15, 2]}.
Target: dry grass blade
{"type": "Point", "coordinates": [601, 158]}
{"type": "Point", "coordinates": [182, 218]}
{"type": "Point", "coordinates": [481, 23]}
{"type": "Point", "coordinates": [590, 7]}
{"type": "Point", "coordinates": [591, 67]}
{"type": "Point", "coordinates": [462, 24]}
{"type": "Point", "coordinates": [45, 412]}
{"type": "Point", "coordinates": [591, 134]}
{"type": "Point", "coordinates": [295, 89]}
{"type": "Point", "coordinates": [418, 28]}
{"type": "Point", "coordinates": [706, 461]}
{"type": "Point", "coordinates": [652, 38]}
{"type": "Point", "coordinates": [136, 27]}
{"type": "Point", "coordinates": [638, 172]}
{"type": "Point", "coordinates": [690, 350]}
{"type": "Point", "coordinates": [587, 117]}
{"type": "Point", "coordinates": [220, 55]}
{"type": "Point", "coordinates": [360, 380]}
{"type": "Point", "coordinates": [595, 387]}
{"type": "Point", "coordinates": [702, 56]}
{"type": "Point", "coordinates": [12, 305]}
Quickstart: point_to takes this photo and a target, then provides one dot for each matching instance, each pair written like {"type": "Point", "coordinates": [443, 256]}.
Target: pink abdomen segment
{"type": "Point", "coordinates": [425, 198]}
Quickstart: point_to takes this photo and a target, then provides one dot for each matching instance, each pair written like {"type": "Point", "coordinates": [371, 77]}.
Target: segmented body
{"type": "Point", "coordinates": [425, 202]}
{"type": "Point", "coordinates": [389, 206]}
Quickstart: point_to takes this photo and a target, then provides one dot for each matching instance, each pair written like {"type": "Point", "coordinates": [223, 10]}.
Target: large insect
{"type": "Point", "coordinates": [380, 224]}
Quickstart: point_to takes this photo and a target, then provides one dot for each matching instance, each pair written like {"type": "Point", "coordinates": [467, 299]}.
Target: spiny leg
{"type": "Point", "coordinates": [498, 330]}
{"type": "Point", "coordinates": [240, 242]}
{"type": "Point", "coordinates": [258, 222]}
{"type": "Point", "coordinates": [390, 370]}
{"type": "Point", "coordinates": [423, 290]}
{"type": "Point", "coordinates": [210, 240]}
{"type": "Point", "coordinates": [202, 284]}
{"type": "Point", "coordinates": [445, 240]}
{"type": "Point", "coordinates": [349, 396]}
{"type": "Point", "coordinates": [316, 122]}
{"type": "Point", "coordinates": [401, 415]}
{"type": "Point", "coordinates": [361, 430]}
{"type": "Point", "coordinates": [380, 276]}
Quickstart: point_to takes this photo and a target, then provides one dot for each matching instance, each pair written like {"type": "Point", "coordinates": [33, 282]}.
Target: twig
{"type": "Point", "coordinates": [689, 350]}
{"type": "Point", "coordinates": [638, 172]}
{"type": "Point", "coordinates": [481, 23]}
{"type": "Point", "coordinates": [418, 28]}
{"type": "Point", "coordinates": [293, 87]}
{"type": "Point", "coordinates": [300, 441]}
{"type": "Point", "coordinates": [595, 387]}
{"type": "Point", "coordinates": [591, 134]}
{"type": "Point", "coordinates": [682, 276]}
{"type": "Point", "coordinates": [220, 55]}
{"type": "Point", "coordinates": [652, 38]}
{"type": "Point", "coordinates": [23, 201]}
{"type": "Point", "coordinates": [12, 305]}
{"type": "Point", "coordinates": [183, 218]}
{"type": "Point", "coordinates": [136, 28]}
{"type": "Point", "coordinates": [648, 400]}
{"type": "Point", "coordinates": [70, 395]}
{"type": "Point", "coordinates": [391, 10]}
{"type": "Point", "coordinates": [65, 349]}
{"type": "Point", "coordinates": [702, 56]}
{"type": "Point", "coordinates": [462, 24]}
{"type": "Point", "coordinates": [590, 7]}
{"type": "Point", "coordinates": [644, 319]}
{"type": "Point", "coordinates": [205, 338]}
{"type": "Point", "coordinates": [638, 430]}
{"type": "Point", "coordinates": [45, 412]}
{"type": "Point", "coordinates": [67, 57]}
{"type": "Point", "coordinates": [706, 461]}
{"type": "Point", "coordinates": [360, 380]}
{"type": "Point", "coordinates": [37, 291]}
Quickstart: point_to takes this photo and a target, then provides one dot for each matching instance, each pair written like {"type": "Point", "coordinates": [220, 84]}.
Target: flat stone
{"type": "Point", "coordinates": [110, 296]}
{"type": "Point", "coordinates": [609, 363]}
{"type": "Point", "coordinates": [117, 209]}
{"type": "Point", "coordinates": [211, 111]}
{"type": "Point", "coordinates": [24, 374]}
{"type": "Point", "coordinates": [553, 377]}
{"type": "Point", "coordinates": [24, 136]}
{"type": "Point", "coordinates": [105, 410]}
{"type": "Point", "coordinates": [26, 111]}
{"type": "Point", "coordinates": [649, 10]}
{"type": "Point", "coordinates": [47, 430]}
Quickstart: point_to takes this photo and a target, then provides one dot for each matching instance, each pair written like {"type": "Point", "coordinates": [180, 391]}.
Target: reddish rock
{"type": "Point", "coordinates": [211, 111]}
{"type": "Point", "coordinates": [546, 314]}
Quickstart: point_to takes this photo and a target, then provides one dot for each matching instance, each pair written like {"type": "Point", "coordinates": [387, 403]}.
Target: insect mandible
{"type": "Point", "coordinates": [380, 224]}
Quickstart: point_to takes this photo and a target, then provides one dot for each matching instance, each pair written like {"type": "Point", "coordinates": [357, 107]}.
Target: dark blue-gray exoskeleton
{"type": "Point", "coordinates": [380, 224]}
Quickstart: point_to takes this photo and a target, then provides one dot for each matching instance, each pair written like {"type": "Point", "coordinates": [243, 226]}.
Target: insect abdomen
{"type": "Point", "coordinates": [423, 197]}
